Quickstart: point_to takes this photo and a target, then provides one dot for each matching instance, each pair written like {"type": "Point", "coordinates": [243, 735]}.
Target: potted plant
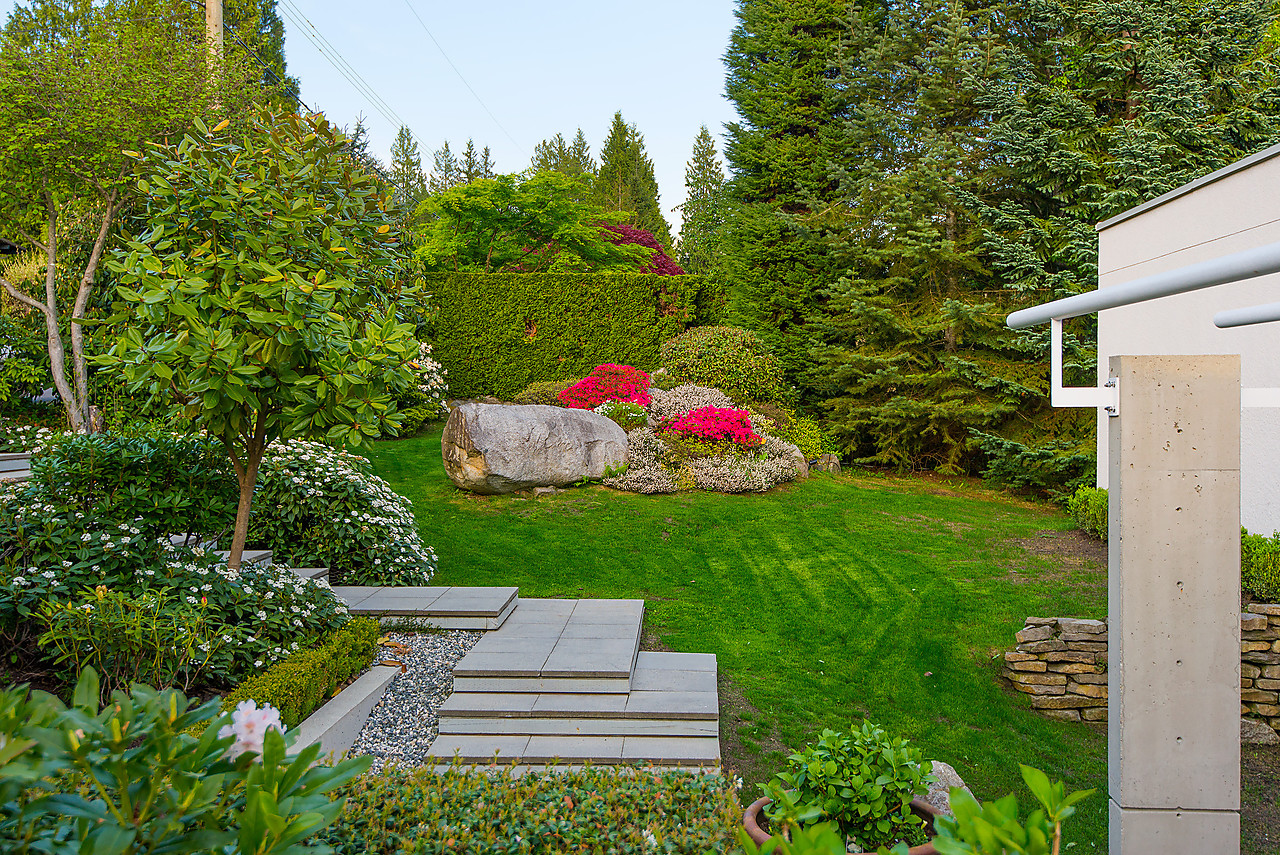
{"type": "Point", "coordinates": [866, 782]}
{"type": "Point", "coordinates": [994, 829]}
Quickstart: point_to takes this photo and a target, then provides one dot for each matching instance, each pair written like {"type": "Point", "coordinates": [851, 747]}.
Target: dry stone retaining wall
{"type": "Point", "coordinates": [1062, 664]}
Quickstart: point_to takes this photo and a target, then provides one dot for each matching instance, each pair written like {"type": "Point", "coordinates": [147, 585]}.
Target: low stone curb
{"type": "Point", "coordinates": [337, 724]}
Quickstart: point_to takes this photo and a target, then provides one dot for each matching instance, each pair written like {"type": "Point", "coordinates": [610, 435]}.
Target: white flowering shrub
{"type": "Point", "coordinates": [645, 470]}
{"type": "Point", "coordinates": [653, 467]}
{"type": "Point", "coordinates": [317, 506]}
{"type": "Point", "coordinates": [17, 438]}
{"type": "Point", "coordinates": [426, 400]}
{"type": "Point", "coordinates": [667, 404]}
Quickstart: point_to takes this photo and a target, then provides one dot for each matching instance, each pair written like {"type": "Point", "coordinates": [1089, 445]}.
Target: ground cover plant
{"type": "Point", "coordinates": [827, 600]}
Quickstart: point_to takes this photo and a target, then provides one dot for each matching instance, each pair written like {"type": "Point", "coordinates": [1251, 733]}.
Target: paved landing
{"type": "Point", "coordinates": [557, 646]}
{"type": "Point", "coordinates": [446, 607]}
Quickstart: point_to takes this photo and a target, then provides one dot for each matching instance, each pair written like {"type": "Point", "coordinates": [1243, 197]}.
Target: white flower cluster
{"type": "Point", "coordinates": [645, 472]}
{"type": "Point", "coordinates": [432, 383]}
{"type": "Point", "coordinates": [249, 725]}
{"type": "Point", "coordinates": [350, 518]}
{"type": "Point", "coordinates": [16, 437]}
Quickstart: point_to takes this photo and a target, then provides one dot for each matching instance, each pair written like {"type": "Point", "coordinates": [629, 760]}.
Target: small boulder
{"type": "Point", "coordinates": [1254, 732]}
{"type": "Point", "coordinates": [939, 795]}
{"type": "Point", "coordinates": [497, 448]}
{"type": "Point", "coordinates": [827, 463]}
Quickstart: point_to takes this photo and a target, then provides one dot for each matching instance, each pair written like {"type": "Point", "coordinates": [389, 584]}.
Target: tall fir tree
{"type": "Point", "coordinates": [555, 154]}
{"type": "Point", "coordinates": [626, 183]}
{"type": "Point", "coordinates": [703, 210]}
{"type": "Point", "coordinates": [475, 165]}
{"type": "Point", "coordinates": [358, 147]}
{"type": "Point", "coordinates": [445, 172]}
{"type": "Point", "coordinates": [783, 62]}
{"type": "Point", "coordinates": [257, 24]}
{"type": "Point", "coordinates": [408, 182]}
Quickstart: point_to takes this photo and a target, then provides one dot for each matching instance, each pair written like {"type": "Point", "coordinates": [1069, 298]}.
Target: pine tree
{"type": "Point", "coordinates": [475, 165]}
{"type": "Point", "coordinates": [782, 65]}
{"type": "Point", "coordinates": [580, 158]}
{"type": "Point", "coordinates": [626, 183]}
{"type": "Point", "coordinates": [703, 209]}
{"type": "Point", "coordinates": [444, 171]}
{"type": "Point", "coordinates": [358, 147]}
{"type": "Point", "coordinates": [257, 24]}
{"type": "Point", "coordinates": [555, 154]}
{"type": "Point", "coordinates": [408, 183]}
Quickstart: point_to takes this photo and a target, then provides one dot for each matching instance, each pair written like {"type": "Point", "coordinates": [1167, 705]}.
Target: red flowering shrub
{"type": "Point", "coordinates": [716, 425]}
{"type": "Point", "coordinates": [661, 263]}
{"type": "Point", "coordinates": [608, 383]}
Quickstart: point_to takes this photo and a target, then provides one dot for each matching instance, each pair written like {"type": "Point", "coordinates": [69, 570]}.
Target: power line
{"type": "Point", "coordinates": [226, 28]}
{"type": "Point", "coordinates": [463, 79]}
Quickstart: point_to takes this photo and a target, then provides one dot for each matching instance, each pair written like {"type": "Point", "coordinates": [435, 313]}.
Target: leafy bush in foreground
{"type": "Point", "coordinates": [494, 810]}
{"type": "Point", "coordinates": [320, 507]}
{"type": "Point", "coordinates": [1088, 506]}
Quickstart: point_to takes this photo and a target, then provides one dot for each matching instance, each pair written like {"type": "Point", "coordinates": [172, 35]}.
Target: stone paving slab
{"type": "Point", "coordinates": [582, 749]}
{"type": "Point", "coordinates": [478, 749]}
{"type": "Point", "coordinates": [657, 704]}
{"type": "Point", "coordinates": [659, 750]}
{"type": "Point", "coordinates": [441, 606]}
{"type": "Point", "coordinates": [606, 685]}
{"type": "Point", "coordinates": [672, 679]}
{"type": "Point", "coordinates": [598, 726]}
{"type": "Point", "coordinates": [672, 750]}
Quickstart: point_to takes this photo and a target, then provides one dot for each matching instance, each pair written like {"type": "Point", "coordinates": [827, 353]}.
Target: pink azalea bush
{"type": "Point", "coordinates": [249, 725]}
{"type": "Point", "coordinates": [608, 382]}
{"type": "Point", "coordinates": [716, 425]}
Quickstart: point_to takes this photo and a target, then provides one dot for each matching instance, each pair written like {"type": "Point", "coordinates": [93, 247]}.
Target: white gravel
{"type": "Point", "coordinates": [403, 725]}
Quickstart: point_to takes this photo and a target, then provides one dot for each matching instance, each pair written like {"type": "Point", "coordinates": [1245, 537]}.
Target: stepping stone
{"type": "Point", "coordinates": [15, 466]}
{"type": "Point", "coordinates": [248, 556]}
{"type": "Point", "coordinates": [694, 751]}
{"type": "Point", "coordinates": [574, 646]}
{"type": "Point", "coordinates": [441, 606]}
{"type": "Point", "coordinates": [320, 574]}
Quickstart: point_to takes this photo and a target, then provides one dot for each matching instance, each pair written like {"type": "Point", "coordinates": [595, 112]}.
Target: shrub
{"type": "Point", "coordinates": [658, 466]}
{"type": "Point", "coordinates": [685, 398]}
{"type": "Point", "coordinates": [993, 828]}
{"type": "Point", "coordinates": [732, 360]}
{"type": "Point", "coordinates": [494, 810]}
{"type": "Point", "coordinates": [1055, 469]}
{"type": "Point", "coordinates": [317, 506]}
{"type": "Point", "coordinates": [16, 437]}
{"type": "Point", "coordinates": [497, 333]}
{"type": "Point", "coordinates": [152, 637]}
{"type": "Point", "coordinates": [1260, 565]}
{"type": "Point", "coordinates": [426, 400]}
{"type": "Point", "coordinates": [626, 415]}
{"type": "Point", "coordinates": [645, 471]}
{"type": "Point", "coordinates": [660, 263]}
{"type": "Point", "coordinates": [129, 778]}
{"type": "Point", "coordinates": [544, 392]}
{"type": "Point", "coordinates": [160, 484]}
{"type": "Point", "coordinates": [300, 684]}
{"type": "Point", "coordinates": [1088, 505]}
{"type": "Point", "coordinates": [802, 432]}
{"type": "Point", "coordinates": [608, 382]}
{"type": "Point", "coordinates": [716, 426]}
{"type": "Point", "coordinates": [864, 781]}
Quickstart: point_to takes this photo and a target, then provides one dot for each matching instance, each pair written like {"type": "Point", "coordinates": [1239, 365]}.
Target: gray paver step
{"type": "Point", "coordinates": [560, 726]}
{"type": "Point", "coordinates": [447, 607]}
{"type": "Point", "coordinates": [14, 474]}
{"type": "Point", "coordinates": [613, 750]}
{"type": "Point", "coordinates": [576, 646]}
{"type": "Point", "coordinates": [249, 556]}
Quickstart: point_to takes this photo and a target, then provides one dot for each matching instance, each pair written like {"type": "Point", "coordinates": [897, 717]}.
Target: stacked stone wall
{"type": "Point", "coordinates": [1062, 664]}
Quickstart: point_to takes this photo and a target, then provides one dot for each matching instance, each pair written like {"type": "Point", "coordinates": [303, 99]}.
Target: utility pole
{"type": "Point", "coordinates": [213, 30]}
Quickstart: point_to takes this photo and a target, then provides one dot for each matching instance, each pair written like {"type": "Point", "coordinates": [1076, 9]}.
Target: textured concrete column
{"type": "Point", "coordinates": [1174, 604]}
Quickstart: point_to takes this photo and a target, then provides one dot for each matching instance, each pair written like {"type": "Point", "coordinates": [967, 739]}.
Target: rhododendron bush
{"type": "Point", "coordinates": [716, 425]}
{"type": "Point", "coordinates": [608, 383]}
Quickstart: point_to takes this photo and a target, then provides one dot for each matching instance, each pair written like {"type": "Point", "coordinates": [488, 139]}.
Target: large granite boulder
{"type": "Point", "coordinates": [501, 448]}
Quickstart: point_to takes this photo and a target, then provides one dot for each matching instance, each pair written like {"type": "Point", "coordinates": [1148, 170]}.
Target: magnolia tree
{"type": "Point", "coordinates": [265, 297]}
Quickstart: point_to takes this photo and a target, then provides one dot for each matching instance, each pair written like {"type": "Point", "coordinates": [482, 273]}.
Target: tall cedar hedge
{"type": "Point", "coordinates": [496, 333]}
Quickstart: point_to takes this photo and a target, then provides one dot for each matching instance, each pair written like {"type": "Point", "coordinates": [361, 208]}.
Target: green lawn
{"type": "Point", "coordinates": [828, 600]}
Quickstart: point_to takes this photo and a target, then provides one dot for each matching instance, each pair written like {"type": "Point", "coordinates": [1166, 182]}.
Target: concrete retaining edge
{"type": "Point", "coordinates": [337, 724]}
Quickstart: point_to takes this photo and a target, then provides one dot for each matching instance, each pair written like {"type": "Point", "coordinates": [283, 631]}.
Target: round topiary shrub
{"type": "Point", "coordinates": [731, 359]}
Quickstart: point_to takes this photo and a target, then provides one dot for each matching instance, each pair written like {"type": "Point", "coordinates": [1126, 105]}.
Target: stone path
{"type": "Point", "coordinates": [560, 680]}
{"type": "Point", "coordinates": [15, 466]}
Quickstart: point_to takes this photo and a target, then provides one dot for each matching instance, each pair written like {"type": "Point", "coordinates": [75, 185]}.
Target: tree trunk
{"type": "Point", "coordinates": [247, 478]}
{"type": "Point", "coordinates": [57, 352]}
{"type": "Point", "coordinates": [78, 362]}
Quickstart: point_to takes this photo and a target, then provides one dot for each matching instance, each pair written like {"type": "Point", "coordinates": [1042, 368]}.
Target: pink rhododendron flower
{"type": "Point", "coordinates": [717, 424]}
{"type": "Point", "coordinates": [608, 382]}
{"type": "Point", "coordinates": [249, 725]}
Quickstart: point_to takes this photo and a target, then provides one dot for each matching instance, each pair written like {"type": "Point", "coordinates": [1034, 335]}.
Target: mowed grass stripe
{"type": "Point", "coordinates": [825, 600]}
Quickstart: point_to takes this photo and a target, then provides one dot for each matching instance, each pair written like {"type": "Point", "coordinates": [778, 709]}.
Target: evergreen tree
{"type": "Point", "coordinates": [580, 155]}
{"type": "Point", "coordinates": [703, 209]}
{"type": "Point", "coordinates": [258, 25]}
{"type": "Point", "coordinates": [782, 67]}
{"type": "Point", "coordinates": [408, 183]}
{"type": "Point", "coordinates": [626, 183]}
{"type": "Point", "coordinates": [475, 164]}
{"type": "Point", "coordinates": [358, 147]}
{"type": "Point", "coordinates": [444, 172]}
{"type": "Point", "coordinates": [573, 159]}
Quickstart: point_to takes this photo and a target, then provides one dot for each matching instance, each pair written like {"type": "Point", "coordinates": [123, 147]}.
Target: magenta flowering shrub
{"type": "Point", "coordinates": [608, 383]}
{"type": "Point", "coordinates": [716, 425]}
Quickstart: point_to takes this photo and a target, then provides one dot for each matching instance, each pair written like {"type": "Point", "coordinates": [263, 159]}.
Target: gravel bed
{"type": "Point", "coordinates": [403, 725]}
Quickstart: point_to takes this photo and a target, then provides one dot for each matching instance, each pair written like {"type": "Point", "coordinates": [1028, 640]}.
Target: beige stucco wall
{"type": "Point", "coordinates": [1237, 210]}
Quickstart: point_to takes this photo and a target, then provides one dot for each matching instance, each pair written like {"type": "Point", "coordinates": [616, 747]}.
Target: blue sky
{"type": "Point", "coordinates": [538, 68]}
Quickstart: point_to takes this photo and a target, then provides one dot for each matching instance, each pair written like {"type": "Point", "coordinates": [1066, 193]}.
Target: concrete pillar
{"type": "Point", "coordinates": [1174, 606]}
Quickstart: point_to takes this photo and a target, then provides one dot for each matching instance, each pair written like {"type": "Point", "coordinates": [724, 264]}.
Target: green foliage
{"type": "Point", "coordinates": [994, 828]}
{"type": "Point", "coordinates": [625, 181]}
{"type": "Point", "coordinates": [1088, 507]}
{"type": "Point", "coordinates": [405, 175]}
{"type": "Point", "coordinates": [704, 207]}
{"type": "Point", "coordinates": [1053, 468]}
{"type": "Point", "coordinates": [162, 483]}
{"type": "Point", "coordinates": [573, 159]}
{"type": "Point", "coordinates": [1260, 566]}
{"type": "Point", "coordinates": [823, 838]}
{"type": "Point", "coordinates": [733, 360]}
{"type": "Point", "coordinates": [300, 684]}
{"type": "Point", "coordinates": [864, 781]}
{"type": "Point", "coordinates": [801, 431]}
{"type": "Point", "coordinates": [512, 223]}
{"type": "Point", "coordinates": [153, 637]}
{"type": "Point", "coordinates": [320, 507]}
{"type": "Point", "coordinates": [488, 811]}
{"type": "Point", "coordinates": [496, 334]}
{"type": "Point", "coordinates": [627, 415]}
{"type": "Point", "coordinates": [544, 392]}
{"type": "Point", "coordinates": [264, 295]}
{"type": "Point", "coordinates": [129, 779]}
{"type": "Point", "coordinates": [24, 364]}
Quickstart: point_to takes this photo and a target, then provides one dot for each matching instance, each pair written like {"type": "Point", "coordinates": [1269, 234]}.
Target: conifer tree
{"type": "Point", "coordinates": [703, 209]}
{"type": "Point", "coordinates": [257, 24]}
{"type": "Point", "coordinates": [626, 183]}
{"type": "Point", "coordinates": [782, 64]}
{"type": "Point", "coordinates": [475, 164]}
{"type": "Point", "coordinates": [408, 183]}
{"type": "Point", "coordinates": [573, 159]}
{"type": "Point", "coordinates": [444, 171]}
{"type": "Point", "coordinates": [358, 148]}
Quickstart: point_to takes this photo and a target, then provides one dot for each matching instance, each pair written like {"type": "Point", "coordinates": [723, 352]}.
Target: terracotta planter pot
{"type": "Point", "coordinates": [753, 818]}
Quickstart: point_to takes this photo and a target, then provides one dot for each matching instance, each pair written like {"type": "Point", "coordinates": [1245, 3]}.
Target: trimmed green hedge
{"type": "Point", "coordinates": [300, 684]}
{"type": "Point", "coordinates": [1088, 505]}
{"type": "Point", "coordinates": [497, 333]}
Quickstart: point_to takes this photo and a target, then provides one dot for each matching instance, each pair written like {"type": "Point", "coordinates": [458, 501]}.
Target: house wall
{"type": "Point", "coordinates": [1234, 209]}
